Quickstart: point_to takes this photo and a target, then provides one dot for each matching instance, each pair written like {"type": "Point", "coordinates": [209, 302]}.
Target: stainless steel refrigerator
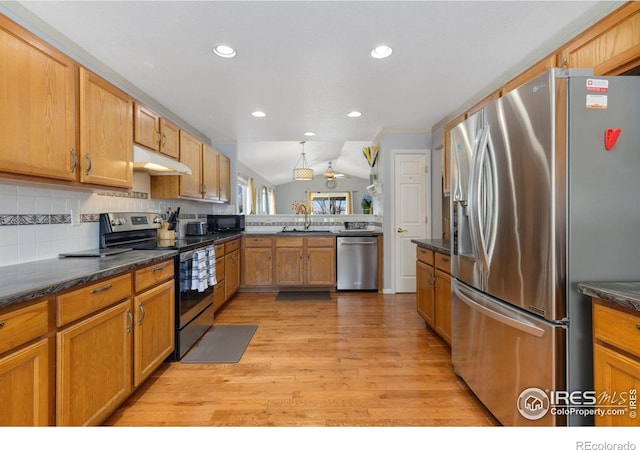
{"type": "Point", "coordinates": [545, 188]}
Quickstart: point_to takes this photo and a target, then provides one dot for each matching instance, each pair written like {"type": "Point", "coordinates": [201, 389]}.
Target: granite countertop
{"type": "Point", "coordinates": [625, 294]}
{"type": "Point", "coordinates": [22, 282]}
{"type": "Point", "coordinates": [437, 245]}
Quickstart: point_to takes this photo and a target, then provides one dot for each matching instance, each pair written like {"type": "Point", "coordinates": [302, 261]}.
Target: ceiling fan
{"type": "Point", "coordinates": [330, 176]}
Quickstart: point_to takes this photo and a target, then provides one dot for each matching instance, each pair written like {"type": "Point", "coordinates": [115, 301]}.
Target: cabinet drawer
{"type": "Point", "coordinates": [617, 328]}
{"type": "Point", "coordinates": [23, 325]}
{"type": "Point", "coordinates": [443, 262]}
{"type": "Point", "coordinates": [289, 242]}
{"type": "Point", "coordinates": [258, 241]}
{"type": "Point", "coordinates": [231, 245]}
{"type": "Point", "coordinates": [325, 241]}
{"type": "Point", "coordinates": [154, 274]}
{"type": "Point", "coordinates": [424, 255]}
{"type": "Point", "coordinates": [80, 302]}
{"type": "Point", "coordinates": [219, 250]}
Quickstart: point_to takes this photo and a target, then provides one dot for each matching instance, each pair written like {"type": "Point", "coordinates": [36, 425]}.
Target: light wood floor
{"type": "Point", "coordinates": [358, 360]}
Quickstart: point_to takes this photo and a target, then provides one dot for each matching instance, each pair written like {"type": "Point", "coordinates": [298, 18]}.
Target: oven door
{"type": "Point", "coordinates": [194, 308]}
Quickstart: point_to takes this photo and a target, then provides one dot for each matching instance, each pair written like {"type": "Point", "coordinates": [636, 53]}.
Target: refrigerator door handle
{"type": "Point", "coordinates": [475, 201]}
{"type": "Point", "coordinates": [466, 295]}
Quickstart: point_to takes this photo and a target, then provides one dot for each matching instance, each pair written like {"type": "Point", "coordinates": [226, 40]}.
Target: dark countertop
{"type": "Point", "coordinates": [625, 294]}
{"type": "Point", "coordinates": [314, 233]}
{"type": "Point", "coordinates": [22, 282]}
{"type": "Point", "coordinates": [437, 245]}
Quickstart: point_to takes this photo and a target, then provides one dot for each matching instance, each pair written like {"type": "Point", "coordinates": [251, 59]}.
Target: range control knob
{"type": "Point", "coordinates": [157, 219]}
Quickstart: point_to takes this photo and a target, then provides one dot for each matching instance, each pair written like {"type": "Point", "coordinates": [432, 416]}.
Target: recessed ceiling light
{"type": "Point", "coordinates": [309, 133]}
{"type": "Point", "coordinates": [224, 51]}
{"type": "Point", "coordinates": [354, 114]}
{"type": "Point", "coordinates": [258, 114]}
{"type": "Point", "coordinates": [381, 51]}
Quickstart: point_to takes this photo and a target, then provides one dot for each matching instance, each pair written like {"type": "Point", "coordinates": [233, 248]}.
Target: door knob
{"type": "Point", "coordinates": [401, 230]}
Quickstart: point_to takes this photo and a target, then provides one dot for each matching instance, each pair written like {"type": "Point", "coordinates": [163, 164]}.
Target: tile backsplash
{"type": "Point", "coordinates": [38, 221]}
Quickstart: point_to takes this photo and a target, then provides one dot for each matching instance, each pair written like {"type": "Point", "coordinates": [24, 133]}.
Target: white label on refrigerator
{"type": "Point", "coordinates": [597, 101]}
{"type": "Point", "coordinates": [601, 86]}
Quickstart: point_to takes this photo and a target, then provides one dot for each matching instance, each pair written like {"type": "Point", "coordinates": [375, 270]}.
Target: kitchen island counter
{"type": "Point", "coordinates": [437, 245]}
{"type": "Point", "coordinates": [625, 294]}
{"type": "Point", "coordinates": [26, 281]}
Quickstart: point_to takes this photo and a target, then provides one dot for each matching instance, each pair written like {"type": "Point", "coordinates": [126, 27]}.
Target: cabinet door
{"type": "Point", "coordinates": [289, 266]}
{"type": "Point", "coordinates": [94, 366]}
{"type": "Point", "coordinates": [615, 374]}
{"type": "Point", "coordinates": [225, 179]}
{"type": "Point", "coordinates": [106, 133]}
{"type": "Point", "coordinates": [210, 182]}
{"type": "Point", "coordinates": [154, 335]}
{"type": "Point", "coordinates": [37, 110]}
{"type": "Point", "coordinates": [191, 155]}
{"type": "Point", "coordinates": [146, 127]}
{"type": "Point", "coordinates": [321, 266]}
{"type": "Point", "coordinates": [231, 273]}
{"type": "Point", "coordinates": [170, 139]}
{"type": "Point", "coordinates": [25, 386]}
{"type": "Point", "coordinates": [443, 305]}
{"type": "Point", "coordinates": [425, 293]}
{"type": "Point", "coordinates": [257, 266]}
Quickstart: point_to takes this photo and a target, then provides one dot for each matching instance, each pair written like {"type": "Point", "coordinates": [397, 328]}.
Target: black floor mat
{"type": "Point", "coordinates": [303, 296]}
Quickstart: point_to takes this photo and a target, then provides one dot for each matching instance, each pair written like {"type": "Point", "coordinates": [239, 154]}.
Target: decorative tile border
{"type": "Point", "coordinates": [133, 194]}
{"type": "Point", "coordinates": [38, 219]}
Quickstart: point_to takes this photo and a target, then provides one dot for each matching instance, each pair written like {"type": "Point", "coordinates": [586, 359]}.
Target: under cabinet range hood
{"type": "Point", "coordinates": [155, 163]}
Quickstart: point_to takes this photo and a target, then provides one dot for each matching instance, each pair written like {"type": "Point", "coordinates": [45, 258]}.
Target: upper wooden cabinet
{"type": "Point", "coordinates": [610, 47]}
{"type": "Point", "coordinates": [532, 72]}
{"type": "Point", "coordinates": [37, 110]}
{"type": "Point", "coordinates": [155, 132]}
{"type": "Point", "coordinates": [209, 179]}
{"type": "Point", "coordinates": [106, 133]}
{"type": "Point", "coordinates": [446, 153]}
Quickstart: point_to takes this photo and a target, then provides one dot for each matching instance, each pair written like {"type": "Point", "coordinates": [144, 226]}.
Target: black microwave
{"type": "Point", "coordinates": [220, 223]}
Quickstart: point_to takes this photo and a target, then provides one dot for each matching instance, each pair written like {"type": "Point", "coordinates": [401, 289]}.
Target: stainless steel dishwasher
{"type": "Point", "coordinates": [357, 263]}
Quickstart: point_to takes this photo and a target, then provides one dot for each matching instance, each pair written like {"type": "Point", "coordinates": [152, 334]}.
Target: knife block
{"type": "Point", "coordinates": [165, 233]}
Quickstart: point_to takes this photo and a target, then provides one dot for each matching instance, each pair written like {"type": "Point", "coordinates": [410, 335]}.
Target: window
{"type": "Point", "coordinates": [337, 203]}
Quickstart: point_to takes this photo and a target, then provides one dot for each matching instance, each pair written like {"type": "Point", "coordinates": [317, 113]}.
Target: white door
{"type": "Point", "coordinates": [411, 204]}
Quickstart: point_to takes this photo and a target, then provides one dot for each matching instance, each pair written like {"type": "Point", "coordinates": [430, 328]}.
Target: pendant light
{"type": "Point", "coordinates": [302, 171]}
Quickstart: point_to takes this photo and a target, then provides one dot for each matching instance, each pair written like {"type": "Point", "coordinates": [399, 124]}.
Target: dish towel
{"type": "Point", "coordinates": [203, 269]}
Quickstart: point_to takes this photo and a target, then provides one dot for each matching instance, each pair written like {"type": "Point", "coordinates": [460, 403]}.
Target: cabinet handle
{"type": "Point", "coordinates": [74, 157]}
{"type": "Point", "coordinates": [157, 137]}
{"type": "Point", "coordinates": [1, 324]}
{"type": "Point", "coordinates": [88, 164]}
{"type": "Point", "coordinates": [637, 326]}
{"type": "Point", "coordinates": [158, 269]}
{"type": "Point", "coordinates": [141, 314]}
{"type": "Point", "coordinates": [445, 259]}
{"type": "Point", "coordinates": [204, 188]}
{"type": "Point", "coordinates": [130, 317]}
{"type": "Point", "coordinates": [164, 140]}
{"type": "Point", "coordinates": [102, 289]}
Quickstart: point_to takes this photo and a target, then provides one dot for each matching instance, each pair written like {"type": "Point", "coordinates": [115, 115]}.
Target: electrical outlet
{"type": "Point", "coordinates": [75, 217]}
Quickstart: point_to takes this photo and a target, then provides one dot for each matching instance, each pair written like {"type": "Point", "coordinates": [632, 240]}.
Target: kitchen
{"type": "Point", "coordinates": [38, 201]}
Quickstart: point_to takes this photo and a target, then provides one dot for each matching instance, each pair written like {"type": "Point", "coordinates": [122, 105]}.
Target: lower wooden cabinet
{"type": "Point", "coordinates": [616, 361]}
{"type": "Point", "coordinates": [231, 273]}
{"type": "Point", "coordinates": [94, 361]}
{"type": "Point", "coordinates": [154, 336]}
{"type": "Point", "coordinates": [257, 261]}
{"type": "Point", "coordinates": [425, 298]}
{"type": "Point", "coordinates": [433, 290]}
{"type": "Point", "coordinates": [25, 386]}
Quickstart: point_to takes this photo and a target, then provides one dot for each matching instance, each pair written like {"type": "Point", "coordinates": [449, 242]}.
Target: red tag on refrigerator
{"type": "Point", "coordinates": [611, 137]}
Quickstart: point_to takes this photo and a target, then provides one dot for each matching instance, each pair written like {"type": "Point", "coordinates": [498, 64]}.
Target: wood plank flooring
{"type": "Point", "coordinates": [361, 359]}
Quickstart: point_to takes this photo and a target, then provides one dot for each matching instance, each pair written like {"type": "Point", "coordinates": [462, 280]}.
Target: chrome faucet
{"type": "Point", "coordinates": [307, 219]}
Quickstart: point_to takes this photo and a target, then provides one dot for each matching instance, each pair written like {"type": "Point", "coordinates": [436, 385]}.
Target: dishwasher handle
{"type": "Point", "coordinates": [359, 243]}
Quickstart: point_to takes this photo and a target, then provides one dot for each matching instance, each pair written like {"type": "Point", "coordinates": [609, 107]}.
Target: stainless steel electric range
{"type": "Point", "coordinates": [139, 231]}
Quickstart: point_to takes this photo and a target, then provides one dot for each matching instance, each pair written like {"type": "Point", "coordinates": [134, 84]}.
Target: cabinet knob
{"type": "Point", "coordinates": [1, 324]}
{"type": "Point", "coordinates": [637, 325]}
